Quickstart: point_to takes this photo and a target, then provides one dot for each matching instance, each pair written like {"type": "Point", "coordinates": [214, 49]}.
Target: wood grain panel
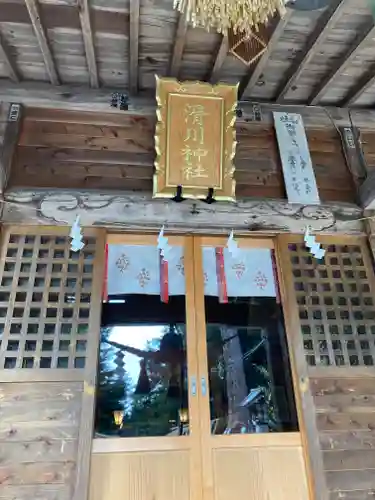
{"type": "Point", "coordinates": [106, 152]}
{"type": "Point", "coordinates": [140, 476]}
{"type": "Point", "coordinates": [39, 492]}
{"type": "Point", "coordinates": [39, 424]}
{"type": "Point", "coordinates": [260, 474]}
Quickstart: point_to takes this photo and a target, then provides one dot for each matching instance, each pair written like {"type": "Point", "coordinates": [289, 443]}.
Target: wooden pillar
{"type": "Point", "coordinates": [11, 117]}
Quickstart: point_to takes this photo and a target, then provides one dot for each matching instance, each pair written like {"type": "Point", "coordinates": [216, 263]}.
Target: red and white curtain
{"type": "Point", "coordinates": [133, 269]}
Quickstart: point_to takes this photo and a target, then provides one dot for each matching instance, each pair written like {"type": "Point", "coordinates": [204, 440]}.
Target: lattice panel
{"type": "Point", "coordinates": [335, 304]}
{"type": "Point", "coordinates": [45, 301]}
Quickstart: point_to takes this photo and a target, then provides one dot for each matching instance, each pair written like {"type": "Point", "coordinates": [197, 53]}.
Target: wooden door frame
{"type": "Point", "coordinates": [191, 442]}
{"type": "Point", "coordinates": [250, 440]}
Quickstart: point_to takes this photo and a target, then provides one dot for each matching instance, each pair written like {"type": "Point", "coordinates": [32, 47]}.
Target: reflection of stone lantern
{"type": "Point", "coordinates": [118, 417]}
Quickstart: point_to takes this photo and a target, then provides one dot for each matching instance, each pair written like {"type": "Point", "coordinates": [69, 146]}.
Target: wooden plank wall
{"type": "Point", "coordinates": [66, 149]}
{"type": "Point", "coordinates": [39, 424]}
{"type": "Point", "coordinates": [345, 409]}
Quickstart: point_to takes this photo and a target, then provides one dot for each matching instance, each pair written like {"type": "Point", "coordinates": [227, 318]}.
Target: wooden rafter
{"type": "Point", "coordinates": [363, 37]}
{"type": "Point", "coordinates": [84, 17]}
{"type": "Point", "coordinates": [34, 13]}
{"type": "Point", "coordinates": [219, 59]}
{"type": "Point", "coordinates": [178, 46]}
{"type": "Point", "coordinates": [364, 83]}
{"type": "Point", "coordinates": [327, 20]}
{"type": "Point", "coordinates": [6, 56]}
{"type": "Point", "coordinates": [250, 79]}
{"type": "Point", "coordinates": [134, 46]}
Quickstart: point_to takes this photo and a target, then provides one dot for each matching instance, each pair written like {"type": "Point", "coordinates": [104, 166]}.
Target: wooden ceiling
{"type": "Point", "coordinates": [324, 57]}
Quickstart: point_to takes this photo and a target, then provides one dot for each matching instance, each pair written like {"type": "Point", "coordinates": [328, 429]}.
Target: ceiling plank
{"type": "Point", "coordinates": [219, 59]}
{"type": "Point", "coordinates": [178, 47]}
{"type": "Point", "coordinates": [250, 79]}
{"type": "Point", "coordinates": [7, 58]}
{"type": "Point", "coordinates": [364, 83]}
{"type": "Point", "coordinates": [84, 17]}
{"type": "Point", "coordinates": [325, 24]}
{"type": "Point", "coordinates": [134, 46]}
{"type": "Point", "coordinates": [34, 13]}
{"type": "Point", "coordinates": [364, 36]}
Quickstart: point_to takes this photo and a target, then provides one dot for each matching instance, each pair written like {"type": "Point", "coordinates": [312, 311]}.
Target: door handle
{"type": "Point", "coordinates": [193, 385]}
{"type": "Point", "coordinates": [203, 386]}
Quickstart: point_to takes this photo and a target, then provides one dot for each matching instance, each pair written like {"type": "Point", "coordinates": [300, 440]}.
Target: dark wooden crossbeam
{"type": "Point", "coordinates": [250, 79]}
{"type": "Point", "coordinates": [40, 33]}
{"type": "Point", "coordinates": [134, 46]}
{"type": "Point", "coordinates": [219, 59]}
{"type": "Point", "coordinates": [364, 36]}
{"type": "Point", "coordinates": [178, 46]}
{"type": "Point", "coordinates": [325, 24]}
{"type": "Point", "coordinates": [10, 64]}
{"type": "Point", "coordinates": [84, 17]}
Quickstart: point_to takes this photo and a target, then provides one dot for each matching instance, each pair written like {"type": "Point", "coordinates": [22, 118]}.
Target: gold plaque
{"type": "Point", "coordinates": [195, 139]}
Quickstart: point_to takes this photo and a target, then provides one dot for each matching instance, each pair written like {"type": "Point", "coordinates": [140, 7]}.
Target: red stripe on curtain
{"type": "Point", "coordinates": [164, 285]}
{"type": "Point", "coordinates": [276, 277]}
{"type": "Point", "coordinates": [105, 281]}
{"type": "Point", "coordinates": [220, 275]}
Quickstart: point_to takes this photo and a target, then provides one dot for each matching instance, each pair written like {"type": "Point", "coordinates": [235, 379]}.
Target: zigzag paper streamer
{"type": "Point", "coordinates": [315, 248]}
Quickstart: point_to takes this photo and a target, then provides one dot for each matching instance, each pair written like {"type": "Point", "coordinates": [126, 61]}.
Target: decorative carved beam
{"type": "Point", "coordinates": [252, 76]}
{"type": "Point", "coordinates": [365, 35]}
{"type": "Point", "coordinates": [139, 212]}
{"type": "Point", "coordinates": [12, 114]}
{"type": "Point", "coordinates": [134, 46]}
{"type": "Point", "coordinates": [219, 59]}
{"type": "Point", "coordinates": [364, 83]}
{"type": "Point", "coordinates": [178, 47]}
{"type": "Point", "coordinates": [84, 17]}
{"type": "Point", "coordinates": [5, 55]}
{"type": "Point", "coordinates": [34, 13]}
{"type": "Point", "coordinates": [327, 20]}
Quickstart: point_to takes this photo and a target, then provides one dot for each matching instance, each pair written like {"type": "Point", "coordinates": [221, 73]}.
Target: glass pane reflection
{"type": "Point", "coordinates": [142, 381]}
{"type": "Point", "coordinates": [249, 376]}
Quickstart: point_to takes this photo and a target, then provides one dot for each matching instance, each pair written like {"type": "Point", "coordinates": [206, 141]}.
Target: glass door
{"type": "Point", "coordinates": [147, 407]}
{"type": "Point", "coordinates": [251, 447]}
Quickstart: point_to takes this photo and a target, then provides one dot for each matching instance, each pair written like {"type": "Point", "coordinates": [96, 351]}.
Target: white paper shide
{"type": "Point", "coordinates": [295, 157]}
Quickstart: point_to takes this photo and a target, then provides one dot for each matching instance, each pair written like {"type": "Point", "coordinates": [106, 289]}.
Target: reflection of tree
{"type": "Point", "coordinates": [152, 405]}
{"type": "Point", "coordinates": [152, 415]}
{"type": "Point", "coordinates": [110, 388]}
{"type": "Point", "coordinates": [240, 381]}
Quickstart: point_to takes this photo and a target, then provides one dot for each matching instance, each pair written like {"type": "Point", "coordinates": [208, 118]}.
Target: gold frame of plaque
{"type": "Point", "coordinates": [195, 139]}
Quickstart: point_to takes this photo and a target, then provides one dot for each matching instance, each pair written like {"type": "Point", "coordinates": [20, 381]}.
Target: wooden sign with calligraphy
{"type": "Point", "coordinates": [195, 139]}
{"type": "Point", "coordinates": [299, 175]}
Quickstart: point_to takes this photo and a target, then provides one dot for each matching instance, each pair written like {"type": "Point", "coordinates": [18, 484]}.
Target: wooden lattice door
{"type": "Point", "coordinates": [330, 311]}
{"type": "Point", "coordinates": [50, 302]}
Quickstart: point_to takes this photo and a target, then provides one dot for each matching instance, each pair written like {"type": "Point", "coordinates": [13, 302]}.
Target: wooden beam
{"type": "Point", "coordinates": [34, 13]}
{"type": "Point", "coordinates": [6, 56]}
{"type": "Point", "coordinates": [366, 35]}
{"type": "Point", "coordinates": [134, 46]}
{"type": "Point", "coordinates": [82, 99]}
{"type": "Point", "coordinates": [13, 117]}
{"type": "Point", "coordinates": [364, 83]}
{"type": "Point", "coordinates": [327, 20]}
{"type": "Point", "coordinates": [178, 47]}
{"type": "Point", "coordinates": [249, 81]}
{"type": "Point", "coordinates": [353, 153]}
{"type": "Point", "coordinates": [219, 59]}
{"type": "Point", "coordinates": [84, 17]}
{"type": "Point", "coordinates": [143, 213]}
